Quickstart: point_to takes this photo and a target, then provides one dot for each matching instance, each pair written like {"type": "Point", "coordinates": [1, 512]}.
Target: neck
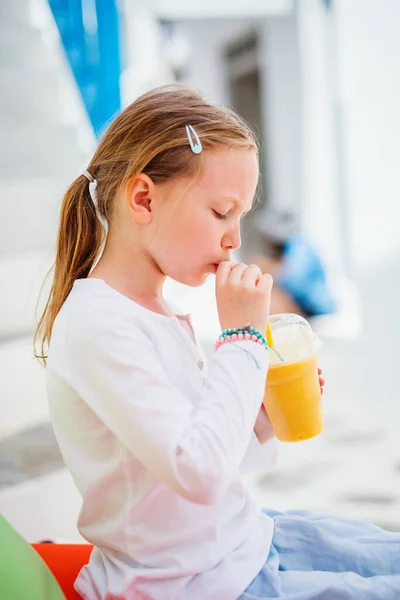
{"type": "Point", "coordinates": [132, 272]}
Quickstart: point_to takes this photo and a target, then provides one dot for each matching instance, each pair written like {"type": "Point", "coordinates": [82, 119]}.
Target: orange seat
{"type": "Point", "coordinates": [65, 561]}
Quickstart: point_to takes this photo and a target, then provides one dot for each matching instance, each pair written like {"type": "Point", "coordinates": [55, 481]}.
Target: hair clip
{"type": "Point", "coordinates": [195, 145]}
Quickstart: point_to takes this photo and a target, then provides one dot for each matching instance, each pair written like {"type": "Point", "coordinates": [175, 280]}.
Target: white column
{"type": "Point", "coordinates": [368, 48]}
{"type": "Point", "coordinates": [320, 205]}
{"type": "Point", "coordinates": [281, 108]}
{"type": "Point", "coordinates": [143, 51]}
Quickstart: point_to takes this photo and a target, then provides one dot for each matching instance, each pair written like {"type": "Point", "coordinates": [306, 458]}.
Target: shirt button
{"type": "Point", "coordinates": [200, 364]}
{"type": "Point", "coordinates": [205, 381]}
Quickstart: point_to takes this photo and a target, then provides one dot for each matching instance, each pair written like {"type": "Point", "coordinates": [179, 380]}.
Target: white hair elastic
{"type": "Point", "coordinates": [93, 195]}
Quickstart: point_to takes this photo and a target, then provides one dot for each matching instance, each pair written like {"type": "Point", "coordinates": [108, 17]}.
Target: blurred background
{"type": "Point", "coordinates": [319, 82]}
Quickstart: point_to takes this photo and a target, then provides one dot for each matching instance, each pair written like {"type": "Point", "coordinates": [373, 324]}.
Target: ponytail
{"type": "Point", "coordinates": [78, 244]}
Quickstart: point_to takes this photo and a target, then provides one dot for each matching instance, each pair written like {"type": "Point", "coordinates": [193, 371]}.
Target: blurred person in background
{"type": "Point", "coordinates": [300, 284]}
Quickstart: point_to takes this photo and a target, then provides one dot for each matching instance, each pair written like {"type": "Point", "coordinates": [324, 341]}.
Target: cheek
{"type": "Point", "coordinates": [205, 234]}
{"type": "Point", "coordinates": [190, 236]}
{"type": "Point", "coordinates": [191, 245]}
{"type": "Point", "coordinates": [179, 240]}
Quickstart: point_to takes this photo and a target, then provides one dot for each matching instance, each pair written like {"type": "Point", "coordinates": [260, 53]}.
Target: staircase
{"type": "Point", "coordinates": [44, 143]}
{"type": "Point", "coordinates": [46, 140]}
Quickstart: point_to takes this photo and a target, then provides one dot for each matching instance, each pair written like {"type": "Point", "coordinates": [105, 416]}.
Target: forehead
{"type": "Point", "coordinates": [229, 172]}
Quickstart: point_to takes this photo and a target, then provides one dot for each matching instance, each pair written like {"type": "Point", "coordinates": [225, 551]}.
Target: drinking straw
{"type": "Point", "coordinates": [270, 339]}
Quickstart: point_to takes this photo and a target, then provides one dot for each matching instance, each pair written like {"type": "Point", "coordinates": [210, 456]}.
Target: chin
{"type": "Point", "coordinates": [194, 280]}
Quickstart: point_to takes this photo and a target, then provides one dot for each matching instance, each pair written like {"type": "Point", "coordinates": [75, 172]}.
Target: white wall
{"type": "Point", "coordinates": [334, 138]}
{"type": "Point", "coordinates": [368, 50]}
{"type": "Point", "coordinates": [280, 81]}
{"type": "Point", "coordinates": [220, 9]}
{"type": "Point", "coordinates": [281, 100]}
{"type": "Point", "coordinates": [143, 49]}
{"type": "Point", "coordinates": [206, 68]}
{"type": "Point", "coordinates": [320, 204]}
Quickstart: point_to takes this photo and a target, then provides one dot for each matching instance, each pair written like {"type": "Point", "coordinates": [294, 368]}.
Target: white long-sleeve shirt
{"type": "Point", "coordinates": [155, 448]}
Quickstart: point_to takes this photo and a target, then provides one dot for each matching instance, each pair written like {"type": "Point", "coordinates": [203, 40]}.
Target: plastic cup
{"type": "Point", "coordinates": [292, 394]}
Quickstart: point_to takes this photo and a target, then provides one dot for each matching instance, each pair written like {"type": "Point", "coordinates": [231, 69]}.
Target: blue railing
{"type": "Point", "coordinates": [89, 31]}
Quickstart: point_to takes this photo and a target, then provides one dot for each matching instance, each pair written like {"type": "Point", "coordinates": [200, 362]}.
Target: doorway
{"type": "Point", "coordinates": [244, 88]}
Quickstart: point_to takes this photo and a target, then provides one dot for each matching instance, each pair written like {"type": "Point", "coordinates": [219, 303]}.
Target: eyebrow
{"type": "Point", "coordinates": [236, 203]}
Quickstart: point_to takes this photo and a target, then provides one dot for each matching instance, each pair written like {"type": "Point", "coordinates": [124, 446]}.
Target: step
{"type": "Point", "coordinates": [23, 401]}
{"type": "Point", "coordinates": [29, 212]}
{"type": "Point", "coordinates": [44, 508]}
{"type": "Point", "coordinates": [23, 42]}
{"type": "Point", "coordinates": [29, 94]}
{"type": "Point", "coordinates": [29, 453]}
{"type": "Point", "coordinates": [15, 11]}
{"type": "Point", "coordinates": [13, 53]}
{"type": "Point", "coordinates": [19, 36]}
{"type": "Point", "coordinates": [21, 279]}
{"type": "Point", "coordinates": [25, 135]}
{"type": "Point", "coordinates": [49, 155]}
{"type": "Point", "coordinates": [49, 160]}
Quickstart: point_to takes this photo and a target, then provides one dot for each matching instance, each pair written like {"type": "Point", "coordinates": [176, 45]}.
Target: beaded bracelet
{"type": "Point", "coordinates": [247, 333]}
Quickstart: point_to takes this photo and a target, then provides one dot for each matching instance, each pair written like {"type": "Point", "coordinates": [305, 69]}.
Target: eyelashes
{"type": "Point", "coordinates": [219, 215]}
{"type": "Point", "coordinates": [222, 217]}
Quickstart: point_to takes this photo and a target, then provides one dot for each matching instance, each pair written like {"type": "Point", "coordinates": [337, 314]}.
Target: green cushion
{"type": "Point", "coordinates": [23, 574]}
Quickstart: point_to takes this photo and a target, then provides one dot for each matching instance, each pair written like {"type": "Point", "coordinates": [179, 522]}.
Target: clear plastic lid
{"type": "Point", "coordinates": [293, 339]}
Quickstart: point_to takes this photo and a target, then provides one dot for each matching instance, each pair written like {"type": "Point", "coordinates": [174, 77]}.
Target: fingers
{"type": "Point", "coordinates": [251, 275]}
{"type": "Point", "coordinates": [237, 272]}
{"type": "Point", "coordinates": [223, 272]}
{"type": "Point", "coordinates": [265, 282]}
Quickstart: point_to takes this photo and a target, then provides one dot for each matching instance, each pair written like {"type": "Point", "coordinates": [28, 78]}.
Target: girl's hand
{"type": "Point", "coordinates": [321, 381]}
{"type": "Point", "coordinates": [243, 295]}
{"type": "Point", "coordinates": [263, 428]}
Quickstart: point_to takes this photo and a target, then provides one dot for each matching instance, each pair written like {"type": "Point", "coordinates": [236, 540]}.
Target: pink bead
{"type": "Point", "coordinates": [240, 336]}
{"type": "Point", "coordinates": [234, 337]}
{"type": "Point", "coordinates": [259, 341]}
{"type": "Point", "coordinates": [254, 338]}
{"type": "Point", "coordinates": [247, 336]}
{"type": "Point", "coordinates": [228, 338]}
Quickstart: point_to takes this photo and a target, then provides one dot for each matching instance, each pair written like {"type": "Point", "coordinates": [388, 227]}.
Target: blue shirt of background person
{"type": "Point", "coordinates": [303, 277]}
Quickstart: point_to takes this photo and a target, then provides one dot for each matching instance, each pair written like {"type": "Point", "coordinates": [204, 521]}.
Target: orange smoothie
{"type": "Point", "coordinates": [292, 396]}
{"type": "Point", "coordinates": [293, 400]}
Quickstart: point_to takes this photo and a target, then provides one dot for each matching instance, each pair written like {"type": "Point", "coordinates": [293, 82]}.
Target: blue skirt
{"type": "Point", "coordinates": [320, 557]}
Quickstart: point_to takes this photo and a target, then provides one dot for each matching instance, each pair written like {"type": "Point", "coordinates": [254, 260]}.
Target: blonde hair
{"type": "Point", "coordinates": [148, 137]}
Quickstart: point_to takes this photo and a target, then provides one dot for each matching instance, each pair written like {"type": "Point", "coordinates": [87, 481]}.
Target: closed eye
{"type": "Point", "coordinates": [219, 215]}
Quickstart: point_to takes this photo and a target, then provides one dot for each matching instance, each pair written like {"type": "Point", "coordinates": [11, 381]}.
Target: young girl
{"type": "Point", "coordinates": [155, 445]}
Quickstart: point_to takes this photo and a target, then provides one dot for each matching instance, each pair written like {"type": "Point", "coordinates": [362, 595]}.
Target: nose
{"type": "Point", "coordinates": [232, 239]}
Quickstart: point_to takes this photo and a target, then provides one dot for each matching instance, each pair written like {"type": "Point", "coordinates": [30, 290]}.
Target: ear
{"type": "Point", "coordinates": [139, 193]}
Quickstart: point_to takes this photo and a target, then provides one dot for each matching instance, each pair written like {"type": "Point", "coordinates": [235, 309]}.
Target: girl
{"type": "Point", "coordinates": [154, 445]}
